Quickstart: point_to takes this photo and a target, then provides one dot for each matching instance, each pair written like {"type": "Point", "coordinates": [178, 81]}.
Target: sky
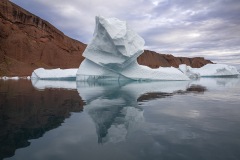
{"type": "Point", "coordinates": [190, 28]}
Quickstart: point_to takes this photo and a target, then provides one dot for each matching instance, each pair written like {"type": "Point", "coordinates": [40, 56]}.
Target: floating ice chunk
{"type": "Point", "coordinates": [58, 73]}
{"type": "Point", "coordinates": [215, 70]}
{"type": "Point", "coordinates": [14, 78]}
{"type": "Point", "coordinates": [112, 55]}
{"type": "Point", "coordinates": [186, 70]}
{"type": "Point", "coordinates": [10, 78]}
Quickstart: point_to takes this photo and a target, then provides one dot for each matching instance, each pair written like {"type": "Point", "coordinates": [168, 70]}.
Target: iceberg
{"type": "Point", "coordinates": [112, 55]}
{"type": "Point", "coordinates": [210, 70]}
{"type": "Point", "coordinates": [54, 74]}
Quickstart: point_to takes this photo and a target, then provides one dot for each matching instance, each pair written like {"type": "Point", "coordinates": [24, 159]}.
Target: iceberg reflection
{"type": "Point", "coordinates": [57, 84]}
{"type": "Point", "coordinates": [115, 108]}
{"type": "Point", "coordinates": [148, 120]}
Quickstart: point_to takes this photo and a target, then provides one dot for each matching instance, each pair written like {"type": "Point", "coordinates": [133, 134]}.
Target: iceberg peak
{"type": "Point", "coordinates": [112, 55]}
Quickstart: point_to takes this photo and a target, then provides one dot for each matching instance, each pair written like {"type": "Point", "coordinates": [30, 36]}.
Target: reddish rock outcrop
{"type": "Point", "coordinates": [28, 42]}
{"type": "Point", "coordinates": [155, 60]}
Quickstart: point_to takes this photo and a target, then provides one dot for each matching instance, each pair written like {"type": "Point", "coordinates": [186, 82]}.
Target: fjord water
{"type": "Point", "coordinates": [174, 120]}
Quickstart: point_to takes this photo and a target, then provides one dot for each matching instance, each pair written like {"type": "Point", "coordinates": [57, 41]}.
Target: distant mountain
{"type": "Point", "coordinates": [28, 42]}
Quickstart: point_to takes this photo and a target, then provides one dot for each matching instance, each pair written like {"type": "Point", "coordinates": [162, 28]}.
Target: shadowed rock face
{"type": "Point", "coordinates": [28, 42]}
{"type": "Point", "coordinates": [155, 60]}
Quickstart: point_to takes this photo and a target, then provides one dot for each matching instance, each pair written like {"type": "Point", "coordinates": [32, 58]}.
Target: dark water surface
{"type": "Point", "coordinates": [179, 120]}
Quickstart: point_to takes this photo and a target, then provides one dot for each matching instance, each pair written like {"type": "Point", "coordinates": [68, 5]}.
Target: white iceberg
{"type": "Point", "coordinates": [112, 55]}
{"type": "Point", "coordinates": [54, 74]}
{"type": "Point", "coordinates": [210, 70]}
{"type": "Point", "coordinates": [10, 78]}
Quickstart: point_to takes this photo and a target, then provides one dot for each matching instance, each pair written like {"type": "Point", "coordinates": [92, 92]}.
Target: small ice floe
{"type": "Point", "coordinates": [10, 78]}
{"type": "Point", "coordinates": [210, 70]}
{"type": "Point", "coordinates": [54, 74]}
{"type": "Point", "coordinates": [14, 78]}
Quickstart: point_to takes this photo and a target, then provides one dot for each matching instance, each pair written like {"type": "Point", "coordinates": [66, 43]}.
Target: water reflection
{"type": "Point", "coordinates": [115, 107]}
{"type": "Point", "coordinates": [147, 120]}
{"type": "Point", "coordinates": [55, 84]}
{"type": "Point", "coordinates": [26, 113]}
{"type": "Point", "coordinates": [198, 89]}
{"type": "Point", "coordinates": [193, 127]}
{"type": "Point", "coordinates": [217, 83]}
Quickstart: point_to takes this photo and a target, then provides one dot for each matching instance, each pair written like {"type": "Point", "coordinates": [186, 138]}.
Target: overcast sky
{"type": "Point", "coordinates": [206, 28]}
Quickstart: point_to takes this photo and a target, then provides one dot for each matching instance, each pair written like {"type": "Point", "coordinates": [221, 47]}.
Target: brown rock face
{"type": "Point", "coordinates": [156, 60]}
{"type": "Point", "coordinates": [27, 42]}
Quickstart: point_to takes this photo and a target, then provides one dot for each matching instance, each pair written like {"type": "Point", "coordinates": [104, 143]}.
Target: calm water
{"type": "Point", "coordinates": [46, 120]}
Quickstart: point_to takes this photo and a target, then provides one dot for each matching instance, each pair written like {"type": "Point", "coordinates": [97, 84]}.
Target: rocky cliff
{"type": "Point", "coordinates": [28, 42]}
{"type": "Point", "coordinates": [155, 60]}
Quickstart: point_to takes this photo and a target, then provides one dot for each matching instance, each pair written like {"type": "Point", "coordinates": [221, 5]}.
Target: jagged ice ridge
{"type": "Point", "coordinates": [112, 55]}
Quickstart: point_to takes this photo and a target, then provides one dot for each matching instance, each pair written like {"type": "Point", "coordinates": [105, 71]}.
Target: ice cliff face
{"type": "Point", "coordinates": [112, 55]}
{"type": "Point", "coordinates": [113, 45]}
